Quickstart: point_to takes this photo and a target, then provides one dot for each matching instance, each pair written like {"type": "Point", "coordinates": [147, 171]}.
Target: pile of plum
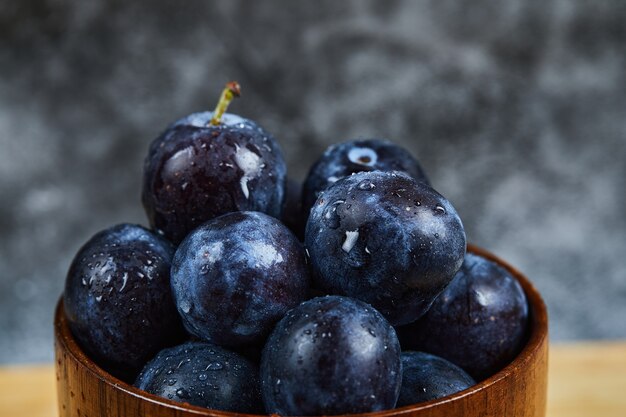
{"type": "Point", "coordinates": [350, 294]}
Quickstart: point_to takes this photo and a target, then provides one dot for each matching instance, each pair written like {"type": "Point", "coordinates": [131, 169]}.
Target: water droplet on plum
{"type": "Point", "coordinates": [214, 366]}
{"type": "Point", "coordinates": [366, 185]}
{"type": "Point", "coordinates": [331, 217]}
{"type": "Point", "coordinates": [182, 393]}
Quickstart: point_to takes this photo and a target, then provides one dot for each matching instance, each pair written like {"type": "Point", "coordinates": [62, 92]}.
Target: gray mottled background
{"type": "Point", "coordinates": [517, 111]}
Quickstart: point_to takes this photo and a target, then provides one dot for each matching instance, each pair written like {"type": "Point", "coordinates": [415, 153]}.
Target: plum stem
{"type": "Point", "coordinates": [231, 91]}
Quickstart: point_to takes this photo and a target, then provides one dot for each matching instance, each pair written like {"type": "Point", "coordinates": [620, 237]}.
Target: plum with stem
{"type": "Point", "coordinates": [208, 164]}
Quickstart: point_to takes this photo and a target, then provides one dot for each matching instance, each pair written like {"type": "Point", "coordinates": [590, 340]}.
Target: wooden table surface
{"type": "Point", "coordinates": [585, 379]}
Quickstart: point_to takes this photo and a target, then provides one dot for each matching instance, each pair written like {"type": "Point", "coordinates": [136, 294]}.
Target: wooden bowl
{"type": "Point", "coordinates": [518, 390]}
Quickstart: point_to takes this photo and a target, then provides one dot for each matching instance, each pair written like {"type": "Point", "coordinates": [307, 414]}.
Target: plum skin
{"type": "Point", "coordinates": [484, 307]}
{"type": "Point", "coordinates": [427, 377]}
{"type": "Point", "coordinates": [235, 276]}
{"type": "Point", "coordinates": [331, 355]}
{"type": "Point", "coordinates": [195, 171]}
{"type": "Point", "coordinates": [205, 375]}
{"type": "Point", "coordinates": [118, 300]}
{"type": "Point", "coordinates": [354, 156]}
{"type": "Point", "coordinates": [386, 239]}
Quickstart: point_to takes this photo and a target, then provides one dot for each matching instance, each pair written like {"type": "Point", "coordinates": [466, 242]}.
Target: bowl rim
{"type": "Point", "coordinates": [538, 332]}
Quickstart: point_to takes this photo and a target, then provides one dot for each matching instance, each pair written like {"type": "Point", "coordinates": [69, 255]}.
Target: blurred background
{"type": "Point", "coordinates": [516, 110]}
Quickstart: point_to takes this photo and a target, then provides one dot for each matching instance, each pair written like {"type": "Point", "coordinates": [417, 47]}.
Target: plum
{"type": "Point", "coordinates": [118, 300]}
{"type": "Point", "coordinates": [479, 322]}
{"type": "Point", "coordinates": [354, 156]}
{"type": "Point", "coordinates": [427, 377]}
{"type": "Point", "coordinates": [331, 355]}
{"type": "Point", "coordinates": [235, 276]}
{"type": "Point", "coordinates": [205, 375]}
{"type": "Point", "coordinates": [208, 164]}
{"type": "Point", "coordinates": [386, 239]}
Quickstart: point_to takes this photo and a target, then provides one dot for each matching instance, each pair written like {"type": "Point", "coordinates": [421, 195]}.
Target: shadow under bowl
{"type": "Point", "coordinates": [518, 390]}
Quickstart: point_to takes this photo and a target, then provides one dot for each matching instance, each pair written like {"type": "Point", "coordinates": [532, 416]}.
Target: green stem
{"type": "Point", "coordinates": [231, 91]}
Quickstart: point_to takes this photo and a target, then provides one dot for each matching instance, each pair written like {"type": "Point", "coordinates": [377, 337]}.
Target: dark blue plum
{"type": "Point", "coordinates": [479, 322]}
{"type": "Point", "coordinates": [331, 355]}
{"type": "Point", "coordinates": [196, 171]}
{"type": "Point", "coordinates": [354, 156]}
{"type": "Point", "coordinates": [118, 300]}
{"type": "Point", "coordinates": [386, 239]}
{"type": "Point", "coordinates": [427, 377]}
{"type": "Point", "coordinates": [205, 375]}
{"type": "Point", "coordinates": [235, 276]}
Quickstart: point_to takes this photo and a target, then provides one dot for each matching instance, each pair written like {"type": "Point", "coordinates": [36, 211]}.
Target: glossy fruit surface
{"type": "Point", "coordinates": [235, 276]}
{"type": "Point", "coordinates": [479, 322]}
{"type": "Point", "coordinates": [331, 355]}
{"type": "Point", "coordinates": [355, 156]}
{"type": "Point", "coordinates": [196, 171]}
{"type": "Point", "coordinates": [205, 375]}
{"type": "Point", "coordinates": [118, 299]}
{"type": "Point", "coordinates": [386, 239]}
{"type": "Point", "coordinates": [427, 377]}
{"type": "Point", "coordinates": [517, 390]}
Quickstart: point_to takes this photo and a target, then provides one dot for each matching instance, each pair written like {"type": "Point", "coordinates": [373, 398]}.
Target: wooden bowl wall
{"type": "Point", "coordinates": [518, 390]}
